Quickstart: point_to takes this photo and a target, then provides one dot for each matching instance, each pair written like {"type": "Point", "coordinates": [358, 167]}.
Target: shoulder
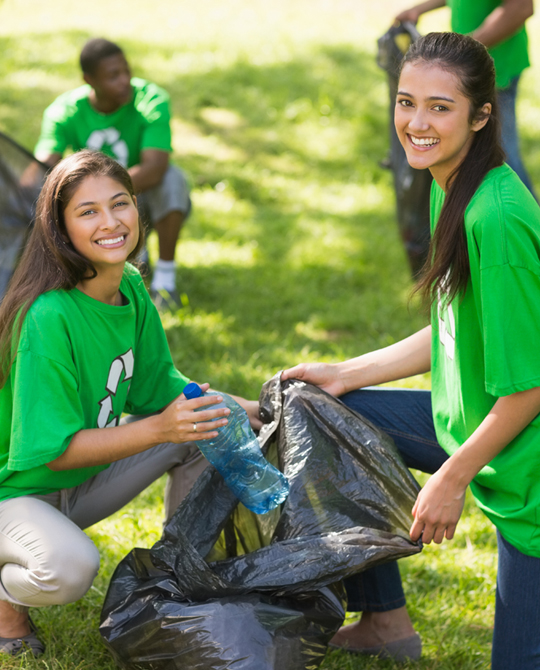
{"type": "Point", "coordinates": [133, 285]}
{"type": "Point", "coordinates": [436, 202]}
{"type": "Point", "coordinates": [148, 88]}
{"type": "Point", "coordinates": [68, 103]}
{"type": "Point", "coordinates": [132, 275]}
{"type": "Point", "coordinates": [147, 94]}
{"type": "Point", "coordinates": [47, 323]}
{"type": "Point", "coordinates": [501, 191]}
{"type": "Point", "coordinates": [504, 214]}
{"type": "Point", "coordinates": [145, 312]}
{"type": "Point", "coordinates": [49, 305]}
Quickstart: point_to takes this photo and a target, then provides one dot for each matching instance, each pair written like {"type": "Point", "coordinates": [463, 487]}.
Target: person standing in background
{"type": "Point", "coordinates": [500, 26]}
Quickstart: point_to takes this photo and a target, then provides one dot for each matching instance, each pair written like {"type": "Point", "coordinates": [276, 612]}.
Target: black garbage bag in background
{"type": "Point", "coordinates": [412, 186]}
{"type": "Point", "coordinates": [270, 601]}
{"type": "Point", "coordinates": [21, 178]}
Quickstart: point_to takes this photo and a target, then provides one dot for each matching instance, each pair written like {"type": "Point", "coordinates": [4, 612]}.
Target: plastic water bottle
{"type": "Point", "coordinates": [236, 455]}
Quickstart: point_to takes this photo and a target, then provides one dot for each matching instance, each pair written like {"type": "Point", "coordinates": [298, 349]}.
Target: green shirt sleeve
{"type": "Point", "coordinates": [152, 102]}
{"type": "Point", "coordinates": [46, 411]}
{"type": "Point", "coordinates": [504, 249]}
{"type": "Point", "coordinates": [54, 134]}
{"type": "Point", "coordinates": [510, 304]}
{"type": "Point", "coordinates": [511, 56]}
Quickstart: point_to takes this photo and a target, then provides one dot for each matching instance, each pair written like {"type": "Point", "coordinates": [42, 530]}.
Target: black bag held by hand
{"type": "Point", "coordinates": [272, 607]}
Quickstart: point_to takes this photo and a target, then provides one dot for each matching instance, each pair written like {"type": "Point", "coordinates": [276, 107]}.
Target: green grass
{"type": "Point", "coordinates": [292, 252]}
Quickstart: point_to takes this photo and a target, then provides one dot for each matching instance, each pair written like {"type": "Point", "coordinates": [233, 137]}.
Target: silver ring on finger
{"type": "Point", "coordinates": [194, 427]}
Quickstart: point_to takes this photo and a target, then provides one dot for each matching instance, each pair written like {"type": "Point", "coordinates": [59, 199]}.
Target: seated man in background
{"type": "Point", "coordinates": [128, 119]}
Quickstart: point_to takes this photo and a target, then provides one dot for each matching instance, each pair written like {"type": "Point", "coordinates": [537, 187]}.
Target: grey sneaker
{"type": "Point", "coordinates": [166, 301]}
{"type": "Point", "coordinates": [13, 646]}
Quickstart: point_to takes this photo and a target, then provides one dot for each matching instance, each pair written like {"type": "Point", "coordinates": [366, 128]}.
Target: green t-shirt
{"type": "Point", "coordinates": [80, 364]}
{"type": "Point", "coordinates": [144, 123]}
{"type": "Point", "coordinates": [485, 345]}
{"type": "Point", "coordinates": [511, 56]}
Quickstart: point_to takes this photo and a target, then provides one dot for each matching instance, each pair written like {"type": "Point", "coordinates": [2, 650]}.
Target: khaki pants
{"type": "Point", "coordinates": [46, 559]}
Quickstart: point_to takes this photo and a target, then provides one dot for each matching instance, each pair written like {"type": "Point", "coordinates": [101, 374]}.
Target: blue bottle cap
{"type": "Point", "coordinates": [192, 390]}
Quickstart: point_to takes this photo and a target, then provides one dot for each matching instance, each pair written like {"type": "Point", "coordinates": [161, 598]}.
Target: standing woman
{"type": "Point", "coordinates": [81, 343]}
{"type": "Point", "coordinates": [479, 425]}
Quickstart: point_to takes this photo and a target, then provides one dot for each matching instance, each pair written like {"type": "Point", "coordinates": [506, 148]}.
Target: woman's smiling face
{"type": "Point", "coordinates": [432, 119]}
{"type": "Point", "coordinates": [102, 222]}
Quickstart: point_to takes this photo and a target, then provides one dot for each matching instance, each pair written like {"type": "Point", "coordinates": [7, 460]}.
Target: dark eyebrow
{"type": "Point", "coordinates": [433, 97]}
{"type": "Point", "coordinates": [88, 204]}
{"type": "Point", "coordinates": [441, 97]}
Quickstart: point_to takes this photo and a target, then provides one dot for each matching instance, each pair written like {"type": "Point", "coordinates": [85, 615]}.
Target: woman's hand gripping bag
{"type": "Point", "coordinates": [225, 588]}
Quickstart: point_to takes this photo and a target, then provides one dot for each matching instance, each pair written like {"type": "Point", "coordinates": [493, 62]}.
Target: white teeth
{"type": "Point", "coordinates": [424, 141]}
{"type": "Point", "coordinates": [114, 241]}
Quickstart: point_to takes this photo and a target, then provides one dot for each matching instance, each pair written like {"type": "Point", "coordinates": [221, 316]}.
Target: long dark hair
{"type": "Point", "coordinates": [447, 267]}
{"type": "Point", "coordinates": [49, 261]}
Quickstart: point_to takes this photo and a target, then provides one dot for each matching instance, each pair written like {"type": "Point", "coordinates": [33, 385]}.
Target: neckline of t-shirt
{"type": "Point", "coordinates": [103, 306]}
{"type": "Point", "coordinates": [107, 115]}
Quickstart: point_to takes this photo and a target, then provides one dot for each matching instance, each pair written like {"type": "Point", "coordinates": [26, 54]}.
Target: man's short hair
{"type": "Point", "coordinates": [94, 51]}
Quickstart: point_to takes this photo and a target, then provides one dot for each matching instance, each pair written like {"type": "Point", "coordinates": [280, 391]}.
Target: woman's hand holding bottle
{"type": "Point", "coordinates": [181, 422]}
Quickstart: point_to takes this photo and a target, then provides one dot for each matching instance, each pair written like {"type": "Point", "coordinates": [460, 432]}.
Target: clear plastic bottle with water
{"type": "Point", "coordinates": [236, 455]}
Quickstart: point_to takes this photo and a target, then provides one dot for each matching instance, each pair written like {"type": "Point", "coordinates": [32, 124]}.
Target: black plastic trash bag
{"type": "Point", "coordinates": [275, 607]}
{"type": "Point", "coordinates": [412, 186]}
{"type": "Point", "coordinates": [21, 178]}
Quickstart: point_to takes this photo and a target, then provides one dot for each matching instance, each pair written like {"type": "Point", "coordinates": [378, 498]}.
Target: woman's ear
{"type": "Point", "coordinates": [481, 118]}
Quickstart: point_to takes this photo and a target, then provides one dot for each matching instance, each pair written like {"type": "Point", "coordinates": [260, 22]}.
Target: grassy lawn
{"type": "Point", "coordinates": [292, 252]}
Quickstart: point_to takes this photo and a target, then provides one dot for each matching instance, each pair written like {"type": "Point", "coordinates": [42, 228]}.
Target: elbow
{"type": "Point", "coordinates": [57, 465]}
{"type": "Point", "coordinates": [527, 10]}
{"type": "Point", "coordinates": [50, 160]}
{"type": "Point", "coordinates": [154, 180]}
{"type": "Point", "coordinates": [156, 175]}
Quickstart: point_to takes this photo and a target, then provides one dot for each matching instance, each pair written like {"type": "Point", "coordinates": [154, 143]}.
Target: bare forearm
{"type": "Point", "coordinates": [144, 177]}
{"type": "Point", "coordinates": [406, 358]}
{"type": "Point", "coordinates": [414, 13]}
{"type": "Point", "coordinates": [503, 22]}
{"type": "Point", "coordinates": [181, 421]}
{"type": "Point", "coordinates": [150, 169]}
{"type": "Point", "coordinates": [440, 503]}
{"type": "Point", "coordinates": [98, 446]}
{"type": "Point", "coordinates": [429, 5]}
{"type": "Point", "coordinates": [50, 160]}
{"type": "Point", "coordinates": [509, 416]}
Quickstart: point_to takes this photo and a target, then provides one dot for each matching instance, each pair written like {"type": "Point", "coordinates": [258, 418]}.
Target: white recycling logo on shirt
{"type": "Point", "coordinates": [447, 326]}
{"type": "Point", "coordinates": [123, 363]}
{"type": "Point", "coordinates": [109, 137]}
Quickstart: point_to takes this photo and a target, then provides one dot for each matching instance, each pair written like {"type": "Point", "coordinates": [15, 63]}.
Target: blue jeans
{"type": "Point", "coordinates": [509, 134]}
{"type": "Point", "coordinates": [516, 636]}
{"type": "Point", "coordinates": [406, 416]}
